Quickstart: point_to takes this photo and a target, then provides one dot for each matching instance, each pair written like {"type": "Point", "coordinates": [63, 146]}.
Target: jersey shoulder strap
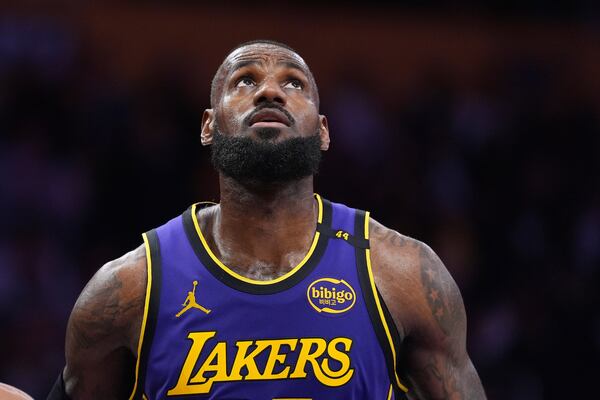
{"type": "Point", "coordinates": [381, 319]}
{"type": "Point", "coordinates": [149, 318]}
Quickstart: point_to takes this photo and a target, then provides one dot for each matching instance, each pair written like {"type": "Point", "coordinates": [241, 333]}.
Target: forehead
{"type": "Point", "coordinates": [263, 53]}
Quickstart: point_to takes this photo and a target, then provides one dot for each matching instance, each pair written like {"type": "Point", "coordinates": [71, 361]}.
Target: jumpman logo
{"type": "Point", "coordinates": [190, 302]}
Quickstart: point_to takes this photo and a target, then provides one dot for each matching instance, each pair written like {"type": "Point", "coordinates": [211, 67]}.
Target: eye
{"type": "Point", "coordinates": [245, 81]}
{"type": "Point", "coordinates": [294, 84]}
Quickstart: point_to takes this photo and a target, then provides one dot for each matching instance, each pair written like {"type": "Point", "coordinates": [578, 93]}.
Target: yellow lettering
{"type": "Point", "coordinates": [215, 362]}
{"type": "Point", "coordinates": [315, 292]}
{"type": "Point", "coordinates": [276, 357]}
{"type": "Point", "coordinates": [199, 339]}
{"type": "Point", "coordinates": [247, 360]}
{"type": "Point", "coordinates": [344, 374]}
{"type": "Point", "coordinates": [214, 368]}
{"type": "Point", "coordinates": [307, 356]}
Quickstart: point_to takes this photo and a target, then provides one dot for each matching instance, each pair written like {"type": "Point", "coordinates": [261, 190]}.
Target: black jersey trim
{"type": "Point", "coordinates": [364, 276]}
{"type": "Point", "coordinates": [58, 391]}
{"type": "Point", "coordinates": [396, 338]}
{"type": "Point", "coordinates": [151, 305]}
{"type": "Point", "coordinates": [266, 287]}
{"type": "Point", "coordinates": [355, 240]}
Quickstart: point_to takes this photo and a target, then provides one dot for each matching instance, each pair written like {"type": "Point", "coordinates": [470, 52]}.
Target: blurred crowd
{"type": "Point", "coordinates": [502, 180]}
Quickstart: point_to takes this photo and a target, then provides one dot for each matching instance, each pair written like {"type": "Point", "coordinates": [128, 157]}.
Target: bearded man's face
{"type": "Point", "coordinates": [264, 125]}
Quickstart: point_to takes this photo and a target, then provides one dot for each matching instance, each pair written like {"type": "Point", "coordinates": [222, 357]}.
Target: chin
{"type": "Point", "coordinates": [268, 133]}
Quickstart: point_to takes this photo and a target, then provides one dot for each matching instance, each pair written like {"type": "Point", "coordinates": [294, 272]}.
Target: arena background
{"type": "Point", "coordinates": [474, 128]}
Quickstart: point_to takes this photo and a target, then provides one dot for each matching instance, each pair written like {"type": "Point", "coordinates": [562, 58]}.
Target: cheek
{"type": "Point", "coordinates": [231, 115]}
{"type": "Point", "coordinates": [308, 115]}
{"type": "Point", "coordinates": [309, 119]}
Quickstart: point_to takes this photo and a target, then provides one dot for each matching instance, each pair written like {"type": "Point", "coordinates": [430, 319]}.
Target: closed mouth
{"type": "Point", "coordinates": [270, 115]}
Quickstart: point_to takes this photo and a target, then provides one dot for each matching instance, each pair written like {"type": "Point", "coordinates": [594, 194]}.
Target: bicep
{"type": "Point", "coordinates": [435, 350]}
{"type": "Point", "coordinates": [434, 373]}
{"type": "Point", "coordinates": [100, 336]}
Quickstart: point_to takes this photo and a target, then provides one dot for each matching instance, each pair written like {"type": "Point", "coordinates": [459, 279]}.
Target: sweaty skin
{"type": "Point", "coordinates": [265, 231]}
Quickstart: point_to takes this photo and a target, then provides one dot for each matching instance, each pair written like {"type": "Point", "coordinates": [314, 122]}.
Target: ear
{"type": "Point", "coordinates": [324, 132]}
{"type": "Point", "coordinates": [206, 136]}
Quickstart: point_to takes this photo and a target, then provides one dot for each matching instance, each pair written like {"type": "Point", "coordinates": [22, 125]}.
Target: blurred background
{"type": "Point", "coordinates": [473, 126]}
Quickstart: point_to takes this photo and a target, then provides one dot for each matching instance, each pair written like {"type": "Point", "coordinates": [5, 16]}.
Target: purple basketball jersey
{"type": "Point", "coordinates": [319, 332]}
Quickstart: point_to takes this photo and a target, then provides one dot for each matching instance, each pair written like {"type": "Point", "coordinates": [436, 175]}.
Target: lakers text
{"type": "Point", "coordinates": [277, 352]}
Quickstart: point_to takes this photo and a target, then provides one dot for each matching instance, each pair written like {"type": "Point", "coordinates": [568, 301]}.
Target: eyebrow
{"type": "Point", "coordinates": [294, 65]}
{"type": "Point", "coordinates": [289, 64]}
{"type": "Point", "coordinates": [241, 64]}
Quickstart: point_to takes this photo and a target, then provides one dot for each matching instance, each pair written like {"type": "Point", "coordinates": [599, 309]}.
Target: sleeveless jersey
{"type": "Point", "coordinates": [319, 332]}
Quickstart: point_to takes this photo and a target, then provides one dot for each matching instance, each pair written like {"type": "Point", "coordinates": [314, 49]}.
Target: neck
{"type": "Point", "coordinates": [266, 202]}
{"type": "Point", "coordinates": [263, 231]}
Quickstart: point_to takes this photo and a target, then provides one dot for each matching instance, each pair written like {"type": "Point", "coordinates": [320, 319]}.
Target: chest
{"type": "Point", "coordinates": [313, 339]}
{"type": "Point", "coordinates": [316, 332]}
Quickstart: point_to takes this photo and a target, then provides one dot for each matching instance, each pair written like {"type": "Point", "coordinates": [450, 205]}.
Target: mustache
{"type": "Point", "coordinates": [262, 106]}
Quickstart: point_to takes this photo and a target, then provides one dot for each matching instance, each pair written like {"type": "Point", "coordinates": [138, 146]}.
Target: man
{"type": "Point", "coordinates": [308, 299]}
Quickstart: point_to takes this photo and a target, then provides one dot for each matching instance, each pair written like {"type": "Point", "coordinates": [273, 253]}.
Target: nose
{"type": "Point", "coordinates": [270, 91]}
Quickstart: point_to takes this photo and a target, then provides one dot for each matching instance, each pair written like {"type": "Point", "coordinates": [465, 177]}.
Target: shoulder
{"type": "Point", "coordinates": [428, 310]}
{"type": "Point", "coordinates": [415, 284]}
{"type": "Point", "coordinates": [109, 310]}
{"type": "Point", "coordinates": [104, 328]}
{"type": "Point", "coordinates": [394, 252]}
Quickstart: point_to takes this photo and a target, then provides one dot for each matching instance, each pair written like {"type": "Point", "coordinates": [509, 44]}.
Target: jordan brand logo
{"type": "Point", "coordinates": [190, 302]}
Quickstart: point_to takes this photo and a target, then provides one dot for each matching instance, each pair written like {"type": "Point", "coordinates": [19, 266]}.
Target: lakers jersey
{"type": "Point", "coordinates": [319, 332]}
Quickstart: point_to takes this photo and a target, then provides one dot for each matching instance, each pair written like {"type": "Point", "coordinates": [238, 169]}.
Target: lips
{"type": "Point", "coordinates": [270, 115]}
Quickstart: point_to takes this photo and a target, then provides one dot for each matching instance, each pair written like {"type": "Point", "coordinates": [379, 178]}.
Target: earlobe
{"type": "Point", "coordinates": [324, 132]}
{"type": "Point", "coordinates": [206, 135]}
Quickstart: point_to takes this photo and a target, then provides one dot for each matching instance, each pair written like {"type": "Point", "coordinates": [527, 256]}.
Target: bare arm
{"type": "Point", "coordinates": [103, 330]}
{"type": "Point", "coordinates": [427, 307]}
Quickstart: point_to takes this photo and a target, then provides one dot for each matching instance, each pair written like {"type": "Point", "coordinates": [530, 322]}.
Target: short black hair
{"type": "Point", "coordinates": [217, 80]}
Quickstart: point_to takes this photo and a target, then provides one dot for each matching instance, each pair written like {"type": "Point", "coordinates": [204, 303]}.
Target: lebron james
{"type": "Point", "coordinates": [274, 292]}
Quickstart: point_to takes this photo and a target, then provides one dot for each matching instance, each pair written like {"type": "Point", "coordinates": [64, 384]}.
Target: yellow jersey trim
{"type": "Point", "coordinates": [389, 397]}
{"type": "Point", "coordinates": [378, 303]}
{"type": "Point", "coordinates": [254, 281]}
{"type": "Point", "coordinates": [145, 317]}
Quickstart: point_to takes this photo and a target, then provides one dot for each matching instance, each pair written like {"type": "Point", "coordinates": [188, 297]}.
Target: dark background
{"type": "Point", "coordinates": [471, 126]}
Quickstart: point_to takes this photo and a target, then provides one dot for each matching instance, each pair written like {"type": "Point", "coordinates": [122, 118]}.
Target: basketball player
{"type": "Point", "coordinates": [308, 299]}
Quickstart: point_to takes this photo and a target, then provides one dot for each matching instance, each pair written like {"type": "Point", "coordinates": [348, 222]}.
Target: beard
{"type": "Point", "coordinates": [251, 161]}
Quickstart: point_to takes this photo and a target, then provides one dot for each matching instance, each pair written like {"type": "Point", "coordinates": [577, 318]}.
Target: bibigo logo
{"type": "Point", "coordinates": [333, 296]}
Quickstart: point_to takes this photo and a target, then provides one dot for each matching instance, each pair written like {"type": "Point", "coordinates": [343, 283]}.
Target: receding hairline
{"type": "Point", "coordinates": [225, 67]}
